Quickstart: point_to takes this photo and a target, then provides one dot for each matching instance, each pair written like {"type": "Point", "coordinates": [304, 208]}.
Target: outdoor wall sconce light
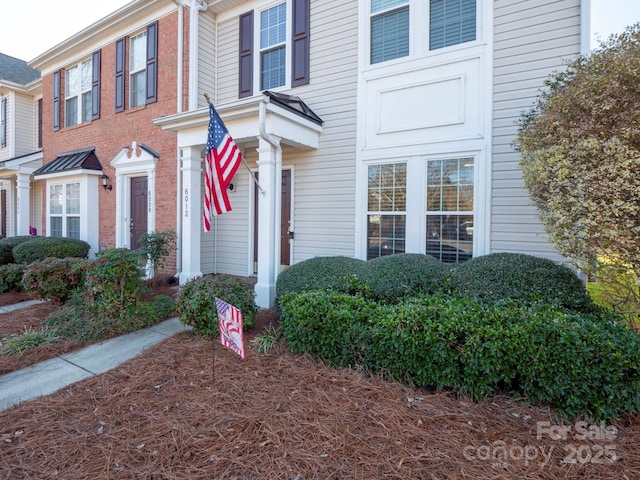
{"type": "Point", "coordinates": [105, 182]}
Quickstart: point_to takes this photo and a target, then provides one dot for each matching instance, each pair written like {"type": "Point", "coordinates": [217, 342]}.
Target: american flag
{"type": "Point", "coordinates": [230, 319]}
{"type": "Point", "coordinates": [222, 160]}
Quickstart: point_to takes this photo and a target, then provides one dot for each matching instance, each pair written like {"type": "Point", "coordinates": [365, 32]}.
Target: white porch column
{"type": "Point", "coordinates": [22, 203]}
{"type": "Point", "coordinates": [191, 213]}
{"type": "Point", "coordinates": [268, 254]}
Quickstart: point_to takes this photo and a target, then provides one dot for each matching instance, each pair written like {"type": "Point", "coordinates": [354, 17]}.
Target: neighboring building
{"type": "Point", "coordinates": [20, 147]}
{"type": "Point", "coordinates": [419, 101]}
{"type": "Point", "coordinates": [102, 89]}
{"type": "Point", "coordinates": [374, 127]}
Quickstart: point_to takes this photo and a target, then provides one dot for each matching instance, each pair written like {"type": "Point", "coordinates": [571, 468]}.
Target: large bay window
{"type": "Point", "coordinates": [64, 210]}
{"type": "Point", "coordinates": [450, 209]}
{"type": "Point", "coordinates": [386, 209]}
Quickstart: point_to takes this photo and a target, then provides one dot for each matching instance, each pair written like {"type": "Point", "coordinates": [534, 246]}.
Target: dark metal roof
{"type": "Point", "coordinates": [293, 104]}
{"type": "Point", "coordinates": [149, 150]}
{"type": "Point", "coordinates": [76, 160]}
{"type": "Point", "coordinates": [16, 71]}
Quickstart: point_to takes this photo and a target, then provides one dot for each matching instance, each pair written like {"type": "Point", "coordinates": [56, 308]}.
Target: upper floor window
{"type": "Point", "coordinates": [389, 29]}
{"type": "Point", "coordinates": [273, 46]}
{"type": "Point", "coordinates": [77, 93]}
{"type": "Point", "coordinates": [140, 73]}
{"type": "Point", "coordinates": [449, 22]}
{"type": "Point", "coordinates": [282, 47]}
{"type": "Point", "coordinates": [81, 92]}
{"type": "Point", "coordinates": [3, 122]}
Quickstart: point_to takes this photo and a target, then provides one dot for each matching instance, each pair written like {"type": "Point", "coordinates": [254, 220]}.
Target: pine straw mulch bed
{"type": "Point", "coordinates": [284, 416]}
{"type": "Point", "coordinates": [32, 317]}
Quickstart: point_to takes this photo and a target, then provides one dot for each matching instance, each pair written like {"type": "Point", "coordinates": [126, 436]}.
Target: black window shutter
{"type": "Point", "coordinates": [39, 123]}
{"type": "Point", "coordinates": [3, 123]}
{"type": "Point", "coordinates": [56, 100]}
{"type": "Point", "coordinates": [120, 62]}
{"type": "Point", "coordinates": [152, 63]}
{"type": "Point", "coordinates": [95, 86]}
{"type": "Point", "coordinates": [300, 43]}
{"type": "Point", "coordinates": [246, 55]}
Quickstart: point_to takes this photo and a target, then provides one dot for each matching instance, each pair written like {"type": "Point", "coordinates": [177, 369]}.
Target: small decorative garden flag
{"type": "Point", "coordinates": [230, 319]}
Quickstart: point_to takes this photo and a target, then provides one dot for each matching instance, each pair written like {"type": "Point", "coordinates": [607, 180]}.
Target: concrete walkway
{"type": "Point", "coordinates": [51, 375]}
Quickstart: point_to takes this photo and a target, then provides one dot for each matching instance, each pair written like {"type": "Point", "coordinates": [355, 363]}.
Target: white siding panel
{"type": "Point", "coordinates": [207, 57]}
{"type": "Point", "coordinates": [532, 38]}
{"type": "Point", "coordinates": [24, 124]}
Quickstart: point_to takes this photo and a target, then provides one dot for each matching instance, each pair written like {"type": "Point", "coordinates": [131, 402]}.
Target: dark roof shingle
{"type": "Point", "coordinates": [16, 71]}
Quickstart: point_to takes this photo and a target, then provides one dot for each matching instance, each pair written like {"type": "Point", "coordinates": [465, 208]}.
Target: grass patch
{"type": "Point", "coordinates": [28, 339]}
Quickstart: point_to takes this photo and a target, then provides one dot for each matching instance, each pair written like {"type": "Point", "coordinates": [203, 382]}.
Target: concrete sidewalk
{"type": "Point", "coordinates": [51, 375]}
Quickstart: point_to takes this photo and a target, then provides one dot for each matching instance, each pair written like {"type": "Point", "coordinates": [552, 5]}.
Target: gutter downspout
{"type": "Point", "coordinates": [179, 94]}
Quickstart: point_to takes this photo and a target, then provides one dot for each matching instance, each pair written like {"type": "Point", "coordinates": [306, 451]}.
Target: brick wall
{"type": "Point", "coordinates": [113, 131]}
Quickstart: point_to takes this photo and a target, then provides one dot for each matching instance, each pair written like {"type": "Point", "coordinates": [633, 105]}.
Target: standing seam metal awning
{"type": "Point", "coordinates": [84, 159]}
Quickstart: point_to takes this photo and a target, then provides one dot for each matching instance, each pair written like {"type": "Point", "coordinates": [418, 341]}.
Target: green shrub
{"type": "Point", "coordinates": [342, 274]}
{"type": "Point", "coordinates": [501, 276]}
{"type": "Point", "coordinates": [11, 277]}
{"type": "Point", "coordinates": [54, 278]}
{"type": "Point", "coordinates": [617, 288]}
{"type": "Point", "coordinates": [196, 303]}
{"type": "Point", "coordinates": [114, 281]}
{"type": "Point", "coordinates": [393, 277]}
{"type": "Point", "coordinates": [39, 248]}
{"type": "Point", "coordinates": [6, 247]}
{"type": "Point", "coordinates": [582, 363]}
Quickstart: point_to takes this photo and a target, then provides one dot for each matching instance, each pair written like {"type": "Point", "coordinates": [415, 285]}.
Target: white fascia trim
{"type": "Point", "coordinates": [70, 173]}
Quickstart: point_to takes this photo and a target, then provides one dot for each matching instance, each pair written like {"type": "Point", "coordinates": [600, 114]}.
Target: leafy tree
{"type": "Point", "coordinates": [580, 149]}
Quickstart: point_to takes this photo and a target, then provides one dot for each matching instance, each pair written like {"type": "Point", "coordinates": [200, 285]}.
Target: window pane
{"type": "Point", "coordinates": [379, 5]}
{"type": "Point", "coordinates": [73, 227]}
{"type": "Point", "coordinates": [138, 88]}
{"type": "Point", "coordinates": [385, 235]}
{"type": "Point", "coordinates": [55, 200]}
{"type": "Point", "coordinates": [73, 198]}
{"type": "Point", "coordinates": [56, 226]}
{"type": "Point", "coordinates": [450, 197]}
{"type": "Point", "coordinates": [72, 82]}
{"type": "Point", "coordinates": [387, 188]}
{"type": "Point", "coordinates": [273, 68]}
{"type": "Point", "coordinates": [85, 83]}
{"type": "Point", "coordinates": [138, 58]}
{"type": "Point", "coordinates": [273, 26]}
{"type": "Point", "coordinates": [86, 106]}
{"type": "Point", "coordinates": [390, 35]}
{"type": "Point", "coordinates": [71, 111]}
{"type": "Point", "coordinates": [451, 22]}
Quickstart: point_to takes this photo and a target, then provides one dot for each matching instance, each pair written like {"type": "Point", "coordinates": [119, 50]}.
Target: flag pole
{"type": "Point", "coordinates": [206, 95]}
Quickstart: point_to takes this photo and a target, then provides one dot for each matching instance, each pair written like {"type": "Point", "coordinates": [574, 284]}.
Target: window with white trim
{"type": "Point", "coordinates": [389, 30]}
{"type": "Point", "coordinates": [450, 209]}
{"type": "Point", "coordinates": [386, 209]}
{"type": "Point", "coordinates": [64, 210]}
{"type": "Point", "coordinates": [138, 70]}
{"type": "Point", "coordinates": [451, 22]}
{"type": "Point", "coordinates": [273, 47]}
{"type": "Point", "coordinates": [78, 82]}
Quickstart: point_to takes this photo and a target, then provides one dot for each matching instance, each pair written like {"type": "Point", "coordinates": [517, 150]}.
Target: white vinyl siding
{"type": "Point", "coordinates": [531, 39]}
{"type": "Point", "coordinates": [24, 125]}
{"type": "Point", "coordinates": [323, 203]}
{"type": "Point", "coordinates": [206, 57]}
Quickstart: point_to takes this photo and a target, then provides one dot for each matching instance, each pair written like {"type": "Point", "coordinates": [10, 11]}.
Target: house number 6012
{"type": "Point", "coordinates": [186, 202]}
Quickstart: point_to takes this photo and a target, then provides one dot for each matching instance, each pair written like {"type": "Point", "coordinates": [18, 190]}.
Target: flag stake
{"type": "Point", "coordinates": [206, 95]}
{"type": "Point", "coordinates": [214, 315]}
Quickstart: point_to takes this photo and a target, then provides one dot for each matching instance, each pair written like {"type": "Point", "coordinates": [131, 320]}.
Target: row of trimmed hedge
{"type": "Point", "coordinates": [391, 278]}
{"type": "Point", "coordinates": [29, 248]}
{"type": "Point", "coordinates": [584, 364]}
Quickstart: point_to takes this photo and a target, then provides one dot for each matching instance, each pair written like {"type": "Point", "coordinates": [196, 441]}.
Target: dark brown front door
{"type": "Point", "coordinates": [285, 223]}
{"type": "Point", "coordinates": [138, 223]}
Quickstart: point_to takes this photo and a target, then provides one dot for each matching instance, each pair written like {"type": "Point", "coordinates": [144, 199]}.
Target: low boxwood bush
{"type": "Point", "coordinates": [501, 276]}
{"type": "Point", "coordinates": [393, 277]}
{"type": "Point", "coordinates": [39, 248]}
{"type": "Point", "coordinates": [6, 247]}
{"type": "Point", "coordinates": [582, 363]}
{"type": "Point", "coordinates": [342, 274]}
{"type": "Point", "coordinates": [54, 279]}
{"type": "Point", "coordinates": [11, 277]}
{"type": "Point", "coordinates": [196, 302]}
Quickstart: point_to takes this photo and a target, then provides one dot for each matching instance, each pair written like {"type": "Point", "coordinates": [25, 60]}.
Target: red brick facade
{"type": "Point", "coordinates": [113, 131]}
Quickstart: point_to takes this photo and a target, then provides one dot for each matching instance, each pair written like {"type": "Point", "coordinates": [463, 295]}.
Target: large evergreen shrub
{"type": "Point", "coordinates": [501, 276]}
{"type": "Point", "coordinates": [6, 247]}
{"type": "Point", "coordinates": [54, 279]}
{"type": "Point", "coordinates": [39, 248]}
{"type": "Point", "coordinates": [11, 277]}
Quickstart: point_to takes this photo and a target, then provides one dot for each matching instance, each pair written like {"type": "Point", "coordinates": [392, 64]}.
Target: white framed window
{"type": "Point", "coordinates": [138, 70]}
{"type": "Point", "coordinates": [451, 22]}
{"type": "Point", "coordinates": [449, 209]}
{"type": "Point", "coordinates": [77, 93]}
{"type": "Point", "coordinates": [273, 47]}
{"type": "Point", "coordinates": [64, 210]}
{"type": "Point", "coordinates": [389, 30]}
{"type": "Point", "coordinates": [386, 209]}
